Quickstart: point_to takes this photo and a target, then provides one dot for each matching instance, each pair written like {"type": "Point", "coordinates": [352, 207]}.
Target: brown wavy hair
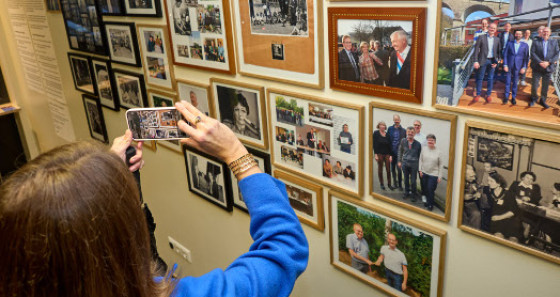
{"type": "Point", "coordinates": [71, 225]}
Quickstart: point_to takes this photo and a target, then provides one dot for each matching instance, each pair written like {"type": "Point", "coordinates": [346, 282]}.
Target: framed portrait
{"type": "Point", "coordinates": [83, 26]}
{"type": "Point", "coordinates": [281, 40]}
{"type": "Point", "coordinates": [511, 192]}
{"type": "Point", "coordinates": [52, 5]}
{"type": "Point", "coordinates": [131, 89]}
{"type": "Point", "coordinates": [105, 84]}
{"type": "Point", "coordinates": [143, 8]}
{"type": "Point", "coordinates": [208, 178]}
{"type": "Point", "coordinates": [82, 73]}
{"type": "Point", "coordinates": [196, 94]}
{"type": "Point", "coordinates": [94, 115]}
{"type": "Point", "coordinates": [156, 56]}
{"type": "Point", "coordinates": [459, 86]}
{"type": "Point", "coordinates": [422, 141]}
{"type": "Point", "coordinates": [241, 107]}
{"type": "Point", "coordinates": [318, 138]}
{"type": "Point", "coordinates": [378, 51]}
{"type": "Point", "coordinates": [123, 45]}
{"type": "Point", "coordinates": [201, 34]}
{"type": "Point", "coordinates": [111, 7]}
{"type": "Point", "coordinates": [306, 198]}
{"type": "Point", "coordinates": [263, 160]}
{"type": "Point", "coordinates": [406, 257]}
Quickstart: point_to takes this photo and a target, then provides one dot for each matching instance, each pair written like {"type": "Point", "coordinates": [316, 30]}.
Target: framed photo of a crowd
{"type": "Point", "coordinates": [511, 191]}
{"type": "Point", "coordinates": [421, 141]}
{"type": "Point", "coordinates": [156, 58]}
{"type": "Point", "coordinates": [123, 44]}
{"type": "Point", "coordinates": [197, 94]}
{"type": "Point", "coordinates": [201, 35]}
{"type": "Point", "coordinates": [280, 40]}
{"type": "Point", "coordinates": [94, 115]}
{"type": "Point", "coordinates": [512, 96]}
{"type": "Point", "coordinates": [105, 83]}
{"type": "Point", "coordinates": [82, 21]}
{"type": "Point", "coordinates": [241, 107]}
{"type": "Point", "coordinates": [318, 138]}
{"type": "Point", "coordinates": [306, 198]}
{"type": "Point", "coordinates": [82, 73]}
{"type": "Point", "coordinates": [263, 161]}
{"type": "Point", "coordinates": [131, 89]}
{"type": "Point", "coordinates": [208, 177]}
{"type": "Point", "coordinates": [378, 51]}
{"type": "Point", "coordinates": [143, 8]}
{"type": "Point", "coordinates": [404, 257]}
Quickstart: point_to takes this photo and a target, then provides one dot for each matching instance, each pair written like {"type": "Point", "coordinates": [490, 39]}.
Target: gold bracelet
{"type": "Point", "coordinates": [242, 164]}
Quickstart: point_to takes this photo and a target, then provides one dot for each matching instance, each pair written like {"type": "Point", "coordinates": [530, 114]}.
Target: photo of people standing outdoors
{"type": "Point", "coordinates": [502, 63]}
{"type": "Point", "coordinates": [386, 252]}
{"type": "Point", "coordinates": [411, 162]}
{"type": "Point", "coordinates": [280, 17]}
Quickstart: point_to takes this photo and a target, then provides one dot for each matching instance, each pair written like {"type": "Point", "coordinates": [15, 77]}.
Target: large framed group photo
{"type": "Point", "coordinates": [391, 252]}
{"type": "Point", "coordinates": [280, 40]}
{"type": "Point", "coordinates": [517, 85]}
{"type": "Point", "coordinates": [411, 158]}
{"type": "Point", "coordinates": [319, 138]}
{"type": "Point", "coordinates": [511, 189]}
{"type": "Point", "coordinates": [378, 51]}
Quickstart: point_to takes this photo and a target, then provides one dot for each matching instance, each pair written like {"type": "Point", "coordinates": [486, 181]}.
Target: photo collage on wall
{"type": "Point", "coordinates": [156, 57]}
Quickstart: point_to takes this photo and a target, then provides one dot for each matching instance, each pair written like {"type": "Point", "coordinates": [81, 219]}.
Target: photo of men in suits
{"type": "Point", "coordinates": [348, 68]}
{"type": "Point", "coordinates": [544, 55]}
{"type": "Point", "coordinates": [399, 69]}
{"type": "Point", "coordinates": [486, 56]}
{"type": "Point", "coordinates": [516, 58]}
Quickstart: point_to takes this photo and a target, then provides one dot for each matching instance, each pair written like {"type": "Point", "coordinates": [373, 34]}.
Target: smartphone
{"type": "Point", "coordinates": [156, 123]}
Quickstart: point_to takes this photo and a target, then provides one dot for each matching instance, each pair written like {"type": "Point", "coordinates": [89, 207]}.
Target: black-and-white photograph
{"type": "Point", "coordinates": [105, 85]}
{"type": "Point", "coordinates": [277, 50]}
{"type": "Point", "coordinates": [518, 206]}
{"type": "Point", "coordinates": [82, 73]}
{"type": "Point", "coordinates": [111, 7]}
{"type": "Point", "coordinates": [321, 114]}
{"type": "Point", "coordinates": [82, 22]}
{"type": "Point", "coordinates": [95, 118]}
{"type": "Point", "coordinates": [131, 89]}
{"type": "Point", "coordinates": [181, 11]}
{"type": "Point", "coordinates": [208, 178]}
{"type": "Point", "coordinates": [280, 17]}
{"type": "Point", "coordinates": [154, 124]}
{"type": "Point", "coordinates": [123, 45]}
{"type": "Point", "coordinates": [145, 8]}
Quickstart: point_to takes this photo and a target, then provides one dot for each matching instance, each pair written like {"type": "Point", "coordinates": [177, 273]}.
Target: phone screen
{"type": "Point", "coordinates": [159, 123]}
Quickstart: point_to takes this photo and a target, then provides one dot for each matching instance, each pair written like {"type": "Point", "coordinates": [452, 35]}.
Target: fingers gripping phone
{"type": "Point", "coordinates": [157, 123]}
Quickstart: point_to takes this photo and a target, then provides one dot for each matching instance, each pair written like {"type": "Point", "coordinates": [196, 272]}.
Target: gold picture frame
{"type": "Point", "coordinates": [154, 52]}
{"type": "Point", "coordinates": [201, 92]}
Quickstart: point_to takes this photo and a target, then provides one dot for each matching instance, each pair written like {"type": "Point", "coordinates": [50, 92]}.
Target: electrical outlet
{"type": "Point", "coordinates": [180, 249]}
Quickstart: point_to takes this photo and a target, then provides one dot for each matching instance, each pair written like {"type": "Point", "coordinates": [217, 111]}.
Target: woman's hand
{"type": "Point", "coordinates": [376, 157]}
{"type": "Point", "coordinates": [120, 144]}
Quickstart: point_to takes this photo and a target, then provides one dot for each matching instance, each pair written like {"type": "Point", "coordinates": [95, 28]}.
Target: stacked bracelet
{"type": "Point", "coordinates": [242, 164]}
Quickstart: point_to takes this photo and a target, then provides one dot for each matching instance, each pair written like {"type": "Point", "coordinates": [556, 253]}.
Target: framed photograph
{"type": "Point", "coordinates": [123, 45]}
{"type": "Point", "coordinates": [281, 40]}
{"type": "Point", "coordinates": [459, 87]}
{"type": "Point", "coordinates": [306, 198]}
{"type": "Point", "coordinates": [105, 84]}
{"type": "Point", "coordinates": [405, 257]}
{"type": "Point", "coordinates": [201, 35]}
{"type": "Point", "coordinates": [83, 26]}
{"type": "Point", "coordinates": [163, 99]}
{"type": "Point", "coordinates": [143, 8]}
{"type": "Point", "coordinates": [156, 56]}
{"type": "Point", "coordinates": [263, 160]}
{"type": "Point", "coordinates": [52, 5]}
{"type": "Point", "coordinates": [131, 89]}
{"type": "Point", "coordinates": [96, 122]}
{"type": "Point", "coordinates": [511, 193]}
{"type": "Point", "coordinates": [422, 141]}
{"type": "Point", "coordinates": [241, 107]}
{"type": "Point", "coordinates": [378, 51]}
{"type": "Point", "coordinates": [196, 94]}
{"type": "Point", "coordinates": [208, 178]}
{"type": "Point", "coordinates": [111, 7]}
{"type": "Point", "coordinates": [318, 138]}
{"type": "Point", "coordinates": [82, 73]}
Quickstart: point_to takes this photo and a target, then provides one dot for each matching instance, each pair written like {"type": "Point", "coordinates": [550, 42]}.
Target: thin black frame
{"type": "Point", "coordinates": [111, 80]}
{"type": "Point", "coordinates": [91, 74]}
{"type": "Point", "coordinates": [157, 6]}
{"type": "Point", "coordinates": [134, 45]}
{"type": "Point", "coordinates": [99, 50]}
{"type": "Point", "coordinates": [227, 182]}
{"type": "Point", "coordinates": [267, 170]}
{"type": "Point", "coordinates": [142, 87]}
{"type": "Point", "coordinates": [102, 118]}
{"type": "Point", "coordinates": [121, 8]}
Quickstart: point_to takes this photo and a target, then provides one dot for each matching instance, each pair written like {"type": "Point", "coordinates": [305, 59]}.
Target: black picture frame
{"type": "Point", "coordinates": [84, 26]}
{"type": "Point", "coordinates": [154, 11]}
{"type": "Point", "coordinates": [217, 166]}
{"type": "Point", "coordinates": [265, 167]}
{"type": "Point", "coordinates": [97, 129]}
{"type": "Point", "coordinates": [107, 98]}
{"type": "Point", "coordinates": [84, 80]}
{"type": "Point", "coordinates": [115, 9]}
{"type": "Point", "coordinates": [129, 43]}
{"type": "Point", "coordinates": [142, 99]}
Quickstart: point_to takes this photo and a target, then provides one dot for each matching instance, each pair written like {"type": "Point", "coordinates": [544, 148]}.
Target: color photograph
{"type": "Point", "coordinates": [156, 56]}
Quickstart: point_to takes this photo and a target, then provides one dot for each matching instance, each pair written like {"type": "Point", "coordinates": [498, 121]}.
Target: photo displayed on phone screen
{"type": "Point", "coordinates": [154, 123]}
